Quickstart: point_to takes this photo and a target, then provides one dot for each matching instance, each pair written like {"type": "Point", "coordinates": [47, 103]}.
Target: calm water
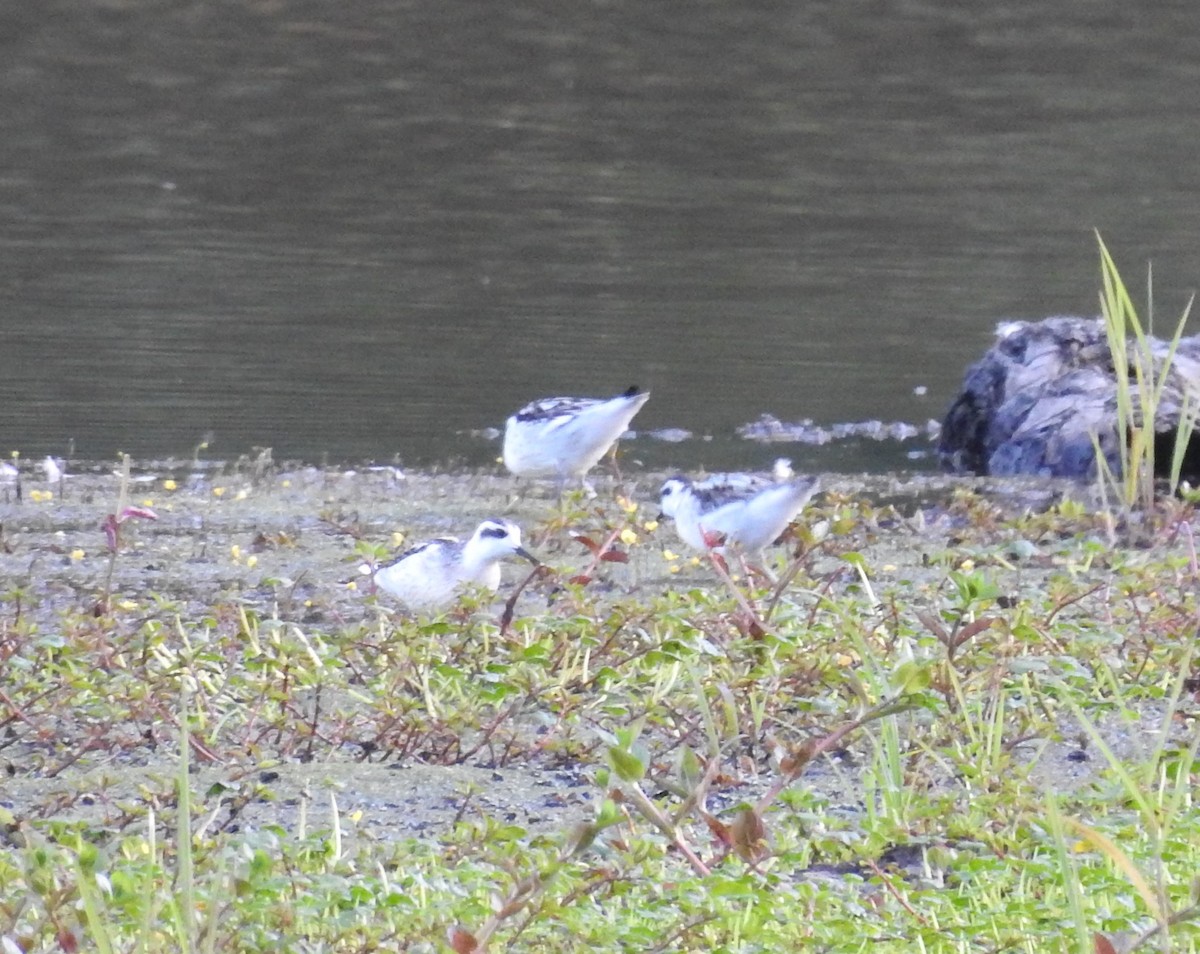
{"type": "Point", "coordinates": [366, 229]}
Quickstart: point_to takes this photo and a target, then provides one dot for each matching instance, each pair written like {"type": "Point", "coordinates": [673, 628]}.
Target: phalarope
{"type": "Point", "coordinates": [744, 510]}
{"type": "Point", "coordinates": [431, 573]}
{"type": "Point", "coordinates": [565, 437]}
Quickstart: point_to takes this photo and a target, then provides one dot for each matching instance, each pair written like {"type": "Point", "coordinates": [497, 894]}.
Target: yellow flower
{"type": "Point", "coordinates": [673, 568]}
{"type": "Point", "coordinates": [169, 484]}
{"type": "Point", "coordinates": [650, 526]}
{"type": "Point", "coordinates": [286, 484]}
{"type": "Point", "coordinates": [397, 538]}
{"type": "Point", "coordinates": [351, 585]}
{"type": "Point", "coordinates": [629, 506]}
{"type": "Point", "coordinates": [127, 605]}
{"type": "Point", "coordinates": [252, 561]}
{"type": "Point", "coordinates": [77, 554]}
{"type": "Point", "coordinates": [236, 552]}
{"type": "Point", "coordinates": [242, 494]}
{"type": "Point", "coordinates": [41, 496]}
{"type": "Point", "coordinates": [147, 502]}
{"type": "Point", "coordinates": [218, 491]}
{"type": "Point", "coordinates": [670, 555]}
{"type": "Point", "coordinates": [628, 537]}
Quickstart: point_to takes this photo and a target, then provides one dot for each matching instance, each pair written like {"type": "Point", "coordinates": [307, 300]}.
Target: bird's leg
{"type": "Point", "coordinates": [758, 568]}
{"type": "Point", "coordinates": [612, 457]}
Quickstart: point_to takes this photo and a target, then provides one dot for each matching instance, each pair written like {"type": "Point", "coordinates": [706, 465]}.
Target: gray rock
{"type": "Point", "coordinates": [1032, 403]}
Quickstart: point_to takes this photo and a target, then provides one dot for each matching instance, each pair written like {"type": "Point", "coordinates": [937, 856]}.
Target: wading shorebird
{"type": "Point", "coordinates": [433, 573]}
{"type": "Point", "coordinates": [565, 437]}
{"type": "Point", "coordinates": [742, 510]}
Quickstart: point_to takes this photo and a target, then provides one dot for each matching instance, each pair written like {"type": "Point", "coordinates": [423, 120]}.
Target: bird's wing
{"type": "Point", "coordinates": [549, 410]}
{"type": "Point", "coordinates": [718, 490]}
{"type": "Point", "coordinates": [428, 545]}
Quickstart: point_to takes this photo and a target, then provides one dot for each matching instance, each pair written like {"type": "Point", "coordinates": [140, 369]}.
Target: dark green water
{"type": "Point", "coordinates": [366, 229]}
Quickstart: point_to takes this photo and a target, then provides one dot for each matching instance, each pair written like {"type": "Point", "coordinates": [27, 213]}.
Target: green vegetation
{"type": "Point", "coordinates": [1143, 369]}
{"type": "Point", "coordinates": [967, 728]}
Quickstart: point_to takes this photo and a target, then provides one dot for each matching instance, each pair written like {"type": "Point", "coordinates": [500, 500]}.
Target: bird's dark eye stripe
{"type": "Point", "coordinates": [498, 533]}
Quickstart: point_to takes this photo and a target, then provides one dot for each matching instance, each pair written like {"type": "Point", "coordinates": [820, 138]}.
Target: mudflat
{"type": "Point", "coordinates": [215, 563]}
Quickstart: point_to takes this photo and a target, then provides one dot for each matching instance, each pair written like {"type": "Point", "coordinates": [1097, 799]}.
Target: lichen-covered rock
{"type": "Point", "coordinates": [1033, 402]}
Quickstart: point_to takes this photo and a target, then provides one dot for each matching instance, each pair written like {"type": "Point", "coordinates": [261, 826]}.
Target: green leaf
{"type": "Point", "coordinates": [910, 677]}
{"type": "Point", "coordinates": [629, 767]}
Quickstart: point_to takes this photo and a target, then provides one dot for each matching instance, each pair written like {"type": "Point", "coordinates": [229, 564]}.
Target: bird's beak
{"type": "Point", "coordinates": [522, 552]}
{"type": "Point", "coordinates": [661, 517]}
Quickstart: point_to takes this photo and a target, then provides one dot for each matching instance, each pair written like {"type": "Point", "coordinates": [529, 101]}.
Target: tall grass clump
{"type": "Point", "coordinates": [1141, 378]}
{"type": "Point", "coordinates": [1158, 795]}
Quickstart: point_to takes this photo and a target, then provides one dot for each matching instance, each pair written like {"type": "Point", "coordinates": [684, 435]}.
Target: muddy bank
{"type": "Point", "coordinates": [289, 543]}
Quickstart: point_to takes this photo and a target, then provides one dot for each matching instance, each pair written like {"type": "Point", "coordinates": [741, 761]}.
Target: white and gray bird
{"type": "Point", "coordinates": [565, 437]}
{"type": "Point", "coordinates": [432, 574]}
{"type": "Point", "coordinates": [742, 510]}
